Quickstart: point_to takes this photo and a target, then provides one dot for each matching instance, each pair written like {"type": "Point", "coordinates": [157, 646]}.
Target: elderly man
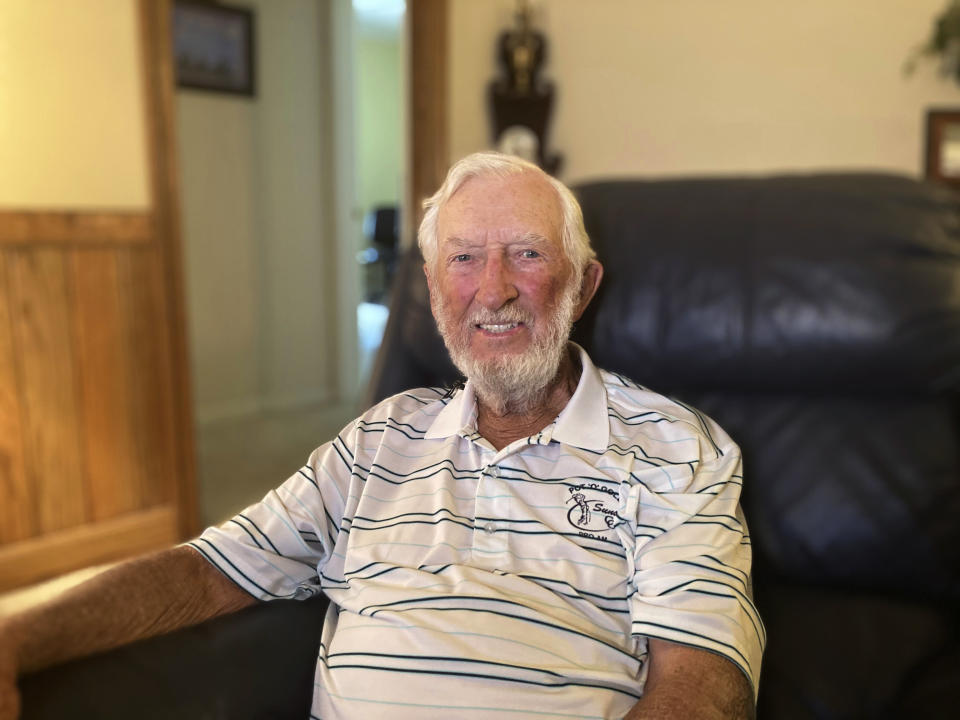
{"type": "Point", "coordinates": [550, 540]}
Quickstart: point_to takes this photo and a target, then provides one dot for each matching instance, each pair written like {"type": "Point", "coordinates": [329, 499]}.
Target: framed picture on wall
{"type": "Point", "coordinates": [943, 146]}
{"type": "Point", "coordinates": [213, 47]}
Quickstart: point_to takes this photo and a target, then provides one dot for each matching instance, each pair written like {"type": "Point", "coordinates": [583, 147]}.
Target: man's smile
{"type": "Point", "coordinates": [498, 329]}
{"type": "Point", "coordinates": [503, 323]}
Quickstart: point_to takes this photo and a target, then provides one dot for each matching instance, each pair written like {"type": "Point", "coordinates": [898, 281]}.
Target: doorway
{"type": "Point", "coordinates": [380, 129]}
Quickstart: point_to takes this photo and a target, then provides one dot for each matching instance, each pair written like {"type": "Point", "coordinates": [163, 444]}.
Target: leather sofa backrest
{"type": "Point", "coordinates": [812, 283]}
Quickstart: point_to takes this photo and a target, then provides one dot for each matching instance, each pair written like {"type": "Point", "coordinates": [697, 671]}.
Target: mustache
{"type": "Point", "coordinates": [504, 316]}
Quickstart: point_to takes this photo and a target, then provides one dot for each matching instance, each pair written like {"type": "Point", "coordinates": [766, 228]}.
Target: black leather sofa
{"type": "Point", "coordinates": [817, 318]}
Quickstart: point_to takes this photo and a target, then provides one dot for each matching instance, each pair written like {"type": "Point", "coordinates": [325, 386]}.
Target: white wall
{"type": "Point", "coordinates": [703, 87]}
{"type": "Point", "coordinates": [347, 220]}
{"type": "Point", "coordinates": [296, 251]}
{"type": "Point", "coordinates": [223, 287]}
{"type": "Point", "coordinates": [256, 223]}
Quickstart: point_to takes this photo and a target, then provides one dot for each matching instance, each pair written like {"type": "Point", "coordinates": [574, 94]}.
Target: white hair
{"type": "Point", "coordinates": [573, 234]}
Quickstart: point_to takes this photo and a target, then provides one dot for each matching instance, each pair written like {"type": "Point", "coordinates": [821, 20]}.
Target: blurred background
{"type": "Point", "coordinates": [193, 282]}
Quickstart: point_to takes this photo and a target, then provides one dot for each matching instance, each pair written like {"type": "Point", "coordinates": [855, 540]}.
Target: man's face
{"type": "Point", "coordinates": [503, 291]}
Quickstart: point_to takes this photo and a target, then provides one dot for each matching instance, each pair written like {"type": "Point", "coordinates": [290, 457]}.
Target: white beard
{"type": "Point", "coordinates": [510, 382]}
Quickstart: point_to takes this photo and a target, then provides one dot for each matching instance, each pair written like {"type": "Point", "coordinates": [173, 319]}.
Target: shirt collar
{"type": "Point", "coordinates": [458, 417]}
{"type": "Point", "coordinates": [582, 423]}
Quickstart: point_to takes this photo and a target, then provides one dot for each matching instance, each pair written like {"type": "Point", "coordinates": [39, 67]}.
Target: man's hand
{"type": "Point", "coordinates": [685, 682]}
{"type": "Point", "coordinates": [142, 598]}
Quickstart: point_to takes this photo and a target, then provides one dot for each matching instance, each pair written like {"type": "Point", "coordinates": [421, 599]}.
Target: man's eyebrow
{"type": "Point", "coordinates": [531, 238]}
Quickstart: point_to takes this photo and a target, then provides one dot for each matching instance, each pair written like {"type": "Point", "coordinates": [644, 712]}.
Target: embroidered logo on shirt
{"type": "Point", "coordinates": [593, 509]}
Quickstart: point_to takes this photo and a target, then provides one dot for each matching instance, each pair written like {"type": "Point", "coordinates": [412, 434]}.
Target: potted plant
{"type": "Point", "coordinates": [943, 43]}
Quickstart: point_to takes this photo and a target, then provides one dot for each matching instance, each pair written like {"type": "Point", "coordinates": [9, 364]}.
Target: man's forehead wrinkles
{"type": "Point", "coordinates": [458, 241]}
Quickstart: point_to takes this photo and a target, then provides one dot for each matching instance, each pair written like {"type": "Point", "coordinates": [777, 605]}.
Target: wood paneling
{"type": "Point", "coordinates": [17, 507]}
{"type": "Point", "coordinates": [93, 544]}
{"type": "Point", "coordinates": [85, 367]}
{"type": "Point", "coordinates": [104, 379]}
{"type": "Point", "coordinates": [146, 326]}
{"type": "Point", "coordinates": [32, 228]}
{"type": "Point", "coordinates": [43, 338]}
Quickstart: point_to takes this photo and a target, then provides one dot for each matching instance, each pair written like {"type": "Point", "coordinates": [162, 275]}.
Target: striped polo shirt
{"type": "Point", "coordinates": [521, 583]}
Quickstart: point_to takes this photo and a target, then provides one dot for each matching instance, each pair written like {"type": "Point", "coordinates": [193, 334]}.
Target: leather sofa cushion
{"type": "Point", "coordinates": [859, 493]}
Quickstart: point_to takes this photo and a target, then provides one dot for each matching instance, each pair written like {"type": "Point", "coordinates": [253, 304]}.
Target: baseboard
{"type": "Point", "coordinates": [212, 413]}
{"type": "Point", "coordinates": [283, 402]}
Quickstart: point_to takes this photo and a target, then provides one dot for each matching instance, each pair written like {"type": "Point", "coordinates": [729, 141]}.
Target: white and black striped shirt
{"type": "Point", "coordinates": [474, 583]}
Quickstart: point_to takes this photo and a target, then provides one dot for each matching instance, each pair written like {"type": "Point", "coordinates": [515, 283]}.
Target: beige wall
{"type": "Point", "coordinates": [698, 86]}
{"type": "Point", "coordinates": [259, 254]}
{"type": "Point", "coordinates": [67, 71]}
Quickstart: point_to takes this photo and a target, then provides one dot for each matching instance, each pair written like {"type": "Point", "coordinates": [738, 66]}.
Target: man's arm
{"type": "Point", "coordinates": [685, 682]}
{"type": "Point", "coordinates": [149, 596]}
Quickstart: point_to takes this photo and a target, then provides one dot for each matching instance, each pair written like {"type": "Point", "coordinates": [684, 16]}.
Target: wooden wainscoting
{"type": "Point", "coordinates": [89, 438]}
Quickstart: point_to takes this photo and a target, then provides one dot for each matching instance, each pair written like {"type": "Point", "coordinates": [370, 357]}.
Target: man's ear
{"type": "Point", "coordinates": [592, 275]}
{"type": "Point", "coordinates": [426, 271]}
{"type": "Point", "coordinates": [430, 288]}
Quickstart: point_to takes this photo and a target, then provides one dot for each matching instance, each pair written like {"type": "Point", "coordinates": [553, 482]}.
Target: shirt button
{"type": "Point", "coordinates": [490, 528]}
{"type": "Point", "coordinates": [494, 471]}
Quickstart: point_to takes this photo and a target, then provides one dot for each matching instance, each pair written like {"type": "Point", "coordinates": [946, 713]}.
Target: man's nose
{"type": "Point", "coordinates": [496, 284]}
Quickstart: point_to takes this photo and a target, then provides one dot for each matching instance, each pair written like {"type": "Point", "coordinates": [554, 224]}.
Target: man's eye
{"type": "Point", "coordinates": [462, 257]}
{"type": "Point", "coordinates": [529, 254]}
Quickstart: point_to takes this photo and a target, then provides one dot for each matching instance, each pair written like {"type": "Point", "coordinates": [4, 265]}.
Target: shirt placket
{"type": "Point", "coordinates": [489, 542]}
{"type": "Point", "coordinates": [494, 506]}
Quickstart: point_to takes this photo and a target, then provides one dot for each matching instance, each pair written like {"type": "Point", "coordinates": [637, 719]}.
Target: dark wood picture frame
{"type": "Point", "coordinates": [942, 160]}
{"type": "Point", "coordinates": [213, 47]}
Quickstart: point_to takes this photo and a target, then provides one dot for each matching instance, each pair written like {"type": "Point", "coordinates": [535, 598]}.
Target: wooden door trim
{"type": "Point", "coordinates": [158, 72]}
{"type": "Point", "coordinates": [429, 157]}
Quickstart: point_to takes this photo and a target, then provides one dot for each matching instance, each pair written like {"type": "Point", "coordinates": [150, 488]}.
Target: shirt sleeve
{"type": "Point", "coordinates": [690, 556]}
{"type": "Point", "coordinates": [277, 548]}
